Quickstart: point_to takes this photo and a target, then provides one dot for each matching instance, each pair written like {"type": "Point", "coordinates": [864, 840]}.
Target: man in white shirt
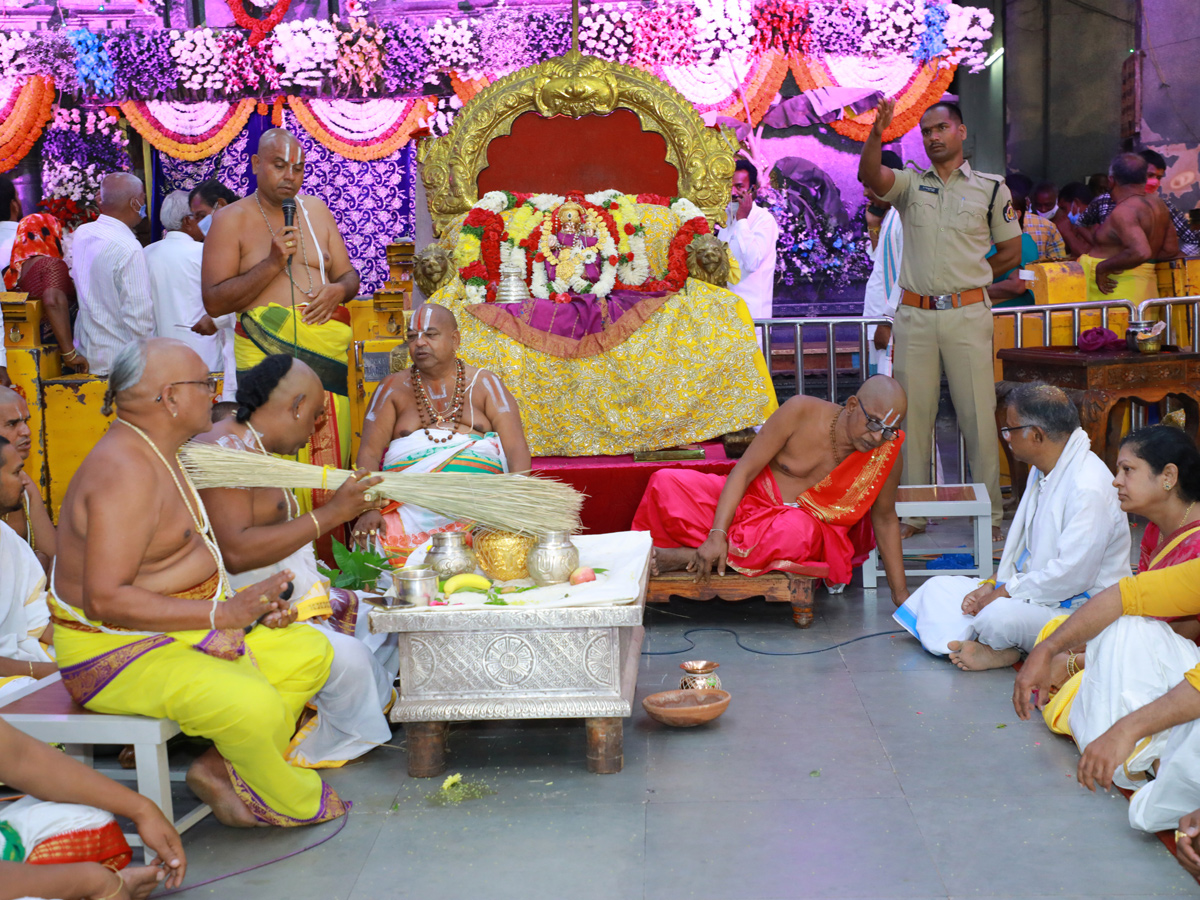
{"type": "Point", "coordinates": [882, 295]}
{"type": "Point", "coordinates": [173, 267]}
{"type": "Point", "coordinates": [110, 275]}
{"type": "Point", "coordinates": [1069, 540]}
{"type": "Point", "coordinates": [751, 234]}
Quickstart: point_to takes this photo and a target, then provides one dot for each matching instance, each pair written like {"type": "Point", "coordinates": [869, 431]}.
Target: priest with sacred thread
{"type": "Point", "coordinates": [799, 497]}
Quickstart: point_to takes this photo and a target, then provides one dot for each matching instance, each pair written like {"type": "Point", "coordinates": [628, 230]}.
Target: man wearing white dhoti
{"type": "Point", "coordinates": [439, 416]}
{"type": "Point", "coordinates": [261, 532]}
{"type": "Point", "coordinates": [23, 609]}
{"type": "Point", "coordinates": [1069, 540]}
{"type": "Point", "coordinates": [1158, 673]}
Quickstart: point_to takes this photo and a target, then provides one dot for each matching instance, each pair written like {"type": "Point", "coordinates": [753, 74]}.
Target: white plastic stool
{"type": "Point", "coordinates": [943, 501]}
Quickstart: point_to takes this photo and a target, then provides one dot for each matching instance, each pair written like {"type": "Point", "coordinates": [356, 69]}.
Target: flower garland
{"type": "Point", "coordinates": [966, 30]}
{"type": "Point", "coordinates": [453, 44]}
{"type": "Point", "coordinates": [779, 25]}
{"type": "Point", "coordinates": [505, 41]}
{"type": "Point", "coordinates": [633, 267]}
{"type": "Point", "coordinates": [607, 32]}
{"type": "Point", "coordinates": [724, 27]}
{"type": "Point", "coordinates": [834, 26]}
{"type": "Point", "coordinates": [188, 131]}
{"type": "Point", "coordinates": [248, 69]}
{"type": "Point", "coordinates": [406, 59]}
{"type": "Point", "coordinates": [306, 53]}
{"type": "Point", "coordinates": [26, 112]}
{"type": "Point", "coordinates": [693, 223]}
{"type": "Point", "coordinates": [665, 35]}
{"type": "Point", "coordinates": [258, 28]}
{"type": "Point", "coordinates": [142, 63]}
{"type": "Point", "coordinates": [199, 60]}
{"type": "Point", "coordinates": [892, 26]}
{"type": "Point", "coordinates": [372, 129]}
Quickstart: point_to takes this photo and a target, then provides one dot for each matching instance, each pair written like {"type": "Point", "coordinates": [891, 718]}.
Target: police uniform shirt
{"type": "Point", "coordinates": [946, 233]}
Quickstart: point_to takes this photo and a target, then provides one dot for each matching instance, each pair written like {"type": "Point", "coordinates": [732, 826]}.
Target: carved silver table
{"type": "Point", "coordinates": [515, 663]}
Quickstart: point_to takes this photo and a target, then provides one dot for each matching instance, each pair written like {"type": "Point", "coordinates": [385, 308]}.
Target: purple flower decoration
{"type": "Point", "coordinates": [549, 34]}
{"type": "Point", "coordinates": [406, 58]}
{"type": "Point", "coordinates": [143, 66]}
{"type": "Point", "coordinates": [52, 55]}
{"type": "Point", "coordinates": [835, 26]}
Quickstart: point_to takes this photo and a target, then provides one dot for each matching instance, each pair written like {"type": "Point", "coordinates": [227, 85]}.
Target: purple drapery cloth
{"type": "Point", "coordinates": [583, 315]}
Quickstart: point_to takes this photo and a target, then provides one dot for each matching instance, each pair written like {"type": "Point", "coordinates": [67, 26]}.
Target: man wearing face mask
{"type": "Point", "coordinates": [1038, 223]}
{"type": "Point", "coordinates": [1073, 201]}
{"type": "Point", "coordinates": [111, 280]}
{"type": "Point", "coordinates": [204, 200]}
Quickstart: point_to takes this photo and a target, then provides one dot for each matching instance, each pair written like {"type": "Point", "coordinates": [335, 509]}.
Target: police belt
{"type": "Point", "coordinates": [943, 301]}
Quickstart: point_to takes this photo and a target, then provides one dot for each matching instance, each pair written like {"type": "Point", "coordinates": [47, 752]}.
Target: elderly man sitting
{"type": "Point", "coordinates": [439, 416]}
{"type": "Point", "coordinates": [29, 519]}
{"type": "Point", "coordinates": [22, 589]}
{"type": "Point", "coordinates": [798, 497]}
{"type": "Point", "coordinates": [1069, 539]}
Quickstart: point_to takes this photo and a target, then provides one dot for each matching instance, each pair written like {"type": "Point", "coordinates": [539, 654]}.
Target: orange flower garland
{"type": "Point", "coordinates": [466, 89]}
{"type": "Point", "coordinates": [761, 88]}
{"type": "Point", "coordinates": [923, 90]}
{"type": "Point", "coordinates": [421, 108]}
{"type": "Point", "coordinates": [33, 108]}
{"type": "Point", "coordinates": [163, 142]}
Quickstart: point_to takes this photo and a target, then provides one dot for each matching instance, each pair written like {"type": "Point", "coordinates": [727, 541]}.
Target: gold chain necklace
{"type": "Point", "coordinates": [199, 520]}
{"type": "Point", "coordinates": [288, 496]}
{"type": "Point", "coordinates": [303, 247]}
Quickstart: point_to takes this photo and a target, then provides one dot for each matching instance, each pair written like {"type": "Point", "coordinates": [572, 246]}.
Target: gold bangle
{"type": "Point", "coordinates": [30, 661]}
{"type": "Point", "coordinates": [316, 524]}
{"type": "Point", "coordinates": [120, 886]}
{"type": "Point", "coordinates": [1071, 670]}
{"type": "Point", "coordinates": [991, 581]}
{"type": "Point", "coordinates": [67, 357]}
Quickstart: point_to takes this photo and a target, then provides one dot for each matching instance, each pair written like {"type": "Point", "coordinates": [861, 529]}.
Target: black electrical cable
{"type": "Point", "coordinates": [738, 641]}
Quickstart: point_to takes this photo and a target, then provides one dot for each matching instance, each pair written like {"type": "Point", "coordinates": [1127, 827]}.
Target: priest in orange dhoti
{"type": "Point", "coordinates": [798, 497]}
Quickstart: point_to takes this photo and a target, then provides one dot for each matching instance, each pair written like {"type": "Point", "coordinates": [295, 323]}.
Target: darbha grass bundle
{"type": "Point", "coordinates": [502, 502]}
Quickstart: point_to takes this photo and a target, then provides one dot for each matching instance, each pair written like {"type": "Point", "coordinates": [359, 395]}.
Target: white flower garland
{"type": "Point", "coordinates": [362, 120]}
{"type": "Point", "coordinates": [189, 119]}
{"type": "Point", "coordinates": [965, 31]}
{"type": "Point", "coordinates": [711, 84]}
{"type": "Point", "coordinates": [197, 53]}
{"type": "Point", "coordinates": [454, 46]}
{"type": "Point", "coordinates": [306, 52]}
{"type": "Point", "coordinates": [13, 62]}
{"type": "Point", "coordinates": [723, 27]}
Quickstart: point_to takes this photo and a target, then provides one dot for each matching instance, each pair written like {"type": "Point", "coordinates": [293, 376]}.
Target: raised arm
{"type": "Point", "coordinates": [871, 170]}
{"type": "Point", "coordinates": [500, 406]}
{"type": "Point", "coordinates": [224, 289]}
{"type": "Point", "coordinates": [887, 533]}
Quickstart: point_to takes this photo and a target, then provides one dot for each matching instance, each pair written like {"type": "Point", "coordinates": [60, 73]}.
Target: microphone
{"type": "Point", "coordinates": [289, 212]}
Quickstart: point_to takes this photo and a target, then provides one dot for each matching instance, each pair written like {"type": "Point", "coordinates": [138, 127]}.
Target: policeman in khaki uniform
{"type": "Point", "coordinates": [952, 215]}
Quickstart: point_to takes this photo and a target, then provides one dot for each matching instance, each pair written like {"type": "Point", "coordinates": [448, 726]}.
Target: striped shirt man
{"type": "Point", "coordinates": [113, 289]}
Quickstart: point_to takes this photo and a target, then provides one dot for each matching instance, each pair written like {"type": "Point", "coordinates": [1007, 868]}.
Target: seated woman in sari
{"type": "Point", "coordinates": [37, 269]}
{"type": "Point", "coordinates": [1158, 477]}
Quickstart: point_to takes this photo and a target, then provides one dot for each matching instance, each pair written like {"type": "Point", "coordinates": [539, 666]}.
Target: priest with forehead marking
{"type": "Point", "coordinates": [286, 283]}
{"type": "Point", "coordinates": [799, 498]}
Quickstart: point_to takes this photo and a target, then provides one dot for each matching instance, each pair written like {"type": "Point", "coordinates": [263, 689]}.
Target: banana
{"type": "Point", "coordinates": [467, 582]}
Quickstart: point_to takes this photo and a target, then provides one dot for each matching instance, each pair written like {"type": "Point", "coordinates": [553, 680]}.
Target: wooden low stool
{"type": "Point", "coordinates": [776, 587]}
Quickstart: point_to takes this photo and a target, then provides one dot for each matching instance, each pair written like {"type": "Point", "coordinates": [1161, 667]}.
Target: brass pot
{"type": "Point", "coordinates": [502, 554]}
{"type": "Point", "coordinates": [553, 558]}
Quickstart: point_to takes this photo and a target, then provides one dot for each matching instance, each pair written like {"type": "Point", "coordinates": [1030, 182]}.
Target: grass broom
{"type": "Point", "coordinates": [514, 503]}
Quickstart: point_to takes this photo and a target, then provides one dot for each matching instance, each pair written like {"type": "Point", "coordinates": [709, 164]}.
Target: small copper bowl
{"type": "Point", "coordinates": [699, 666]}
{"type": "Point", "coordinates": [684, 709]}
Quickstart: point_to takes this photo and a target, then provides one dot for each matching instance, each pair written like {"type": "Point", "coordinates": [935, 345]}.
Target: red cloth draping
{"type": "Point", "coordinates": [614, 485]}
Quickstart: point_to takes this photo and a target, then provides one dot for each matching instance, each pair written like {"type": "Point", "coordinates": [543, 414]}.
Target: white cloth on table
{"type": "Point", "coordinates": [22, 599]}
{"type": "Point", "coordinates": [753, 242]}
{"type": "Point", "coordinates": [113, 288]}
{"type": "Point", "coordinates": [173, 268]}
{"type": "Point", "coordinates": [1069, 540]}
{"type": "Point", "coordinates": [882, 295]}
{"type": "Point", "coordinates": [350, 718]}
{"type": "Point", "coordinates": [1131, 663]}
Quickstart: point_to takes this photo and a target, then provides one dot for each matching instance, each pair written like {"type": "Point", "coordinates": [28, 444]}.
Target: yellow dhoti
{"type": "Point", "coordinates": [1057, 711]}
{"type": "Point", "coordinates": [1135, 285]}
{"type": "Point", "coordinates": [246, 703]}
{"type": "Point", "coordinates": [271, 329]}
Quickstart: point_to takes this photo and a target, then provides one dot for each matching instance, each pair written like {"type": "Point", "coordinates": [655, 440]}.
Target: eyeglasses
{"type": "Point", "coordinates": [210, 382]}
{"type": "Point", "coordinates": [876, 425]}
{"type": "Point", "coordinates": [1007, 430]}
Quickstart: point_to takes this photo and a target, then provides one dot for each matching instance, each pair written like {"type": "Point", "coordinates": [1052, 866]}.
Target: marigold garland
{"type": "Point", "coordinates": [29, 114]}
{"type": "Point", "coordinates": [924, 89]}
{"type": "Point", "coordinates": [393, 139]}
{"type": "Point", "coordinates": [761, 88]}
{"type": "Point", "coordinates": [180, 146]}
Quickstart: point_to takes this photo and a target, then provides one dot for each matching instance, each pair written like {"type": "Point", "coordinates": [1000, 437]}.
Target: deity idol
{"type": "Point", "coordinates": [569, 248]}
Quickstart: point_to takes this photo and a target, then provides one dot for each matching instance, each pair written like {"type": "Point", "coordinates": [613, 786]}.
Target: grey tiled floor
{"type": "Point", "coordinates": [869, 771]}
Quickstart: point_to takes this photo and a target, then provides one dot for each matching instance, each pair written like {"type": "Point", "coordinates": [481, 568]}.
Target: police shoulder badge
{"type": "Point", "coordinates": [1009, 212]}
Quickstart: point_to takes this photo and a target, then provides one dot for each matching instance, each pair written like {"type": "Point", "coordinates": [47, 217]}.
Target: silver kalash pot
{"type": "Point", "coordinates": [450, 555]}
{"type": "Point", "coordinates": [512, 287]}
{"type": "Point", "coordinates": [553, 558]}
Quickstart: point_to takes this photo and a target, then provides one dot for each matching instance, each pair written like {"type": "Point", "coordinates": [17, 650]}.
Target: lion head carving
{"type": "Point", "coordinates": [432, 268]}
{"type": "Point", "coordinates": [708, 259]}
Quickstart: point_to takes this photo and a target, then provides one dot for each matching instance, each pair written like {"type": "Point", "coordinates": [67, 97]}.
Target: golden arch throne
{"type": "Point", "coordinates": [680, 365]}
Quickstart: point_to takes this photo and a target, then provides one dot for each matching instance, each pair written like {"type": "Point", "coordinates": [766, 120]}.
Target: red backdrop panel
{"type": "Point", "coordinates": [592, 153]}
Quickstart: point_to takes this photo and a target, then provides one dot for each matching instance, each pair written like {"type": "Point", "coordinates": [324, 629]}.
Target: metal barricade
{"type": "Point", "coordinates": [830, 324]}
{"type": "Point", "coordinates": [1193, 303]}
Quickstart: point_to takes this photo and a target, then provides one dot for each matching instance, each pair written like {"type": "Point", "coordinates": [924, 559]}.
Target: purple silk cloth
{"type": "Point", "coordinates": [591, 271]}
{"type": "Point", "coordinates": [583, 315]}
{"type": "Point", "coordinates": [1096, 339]}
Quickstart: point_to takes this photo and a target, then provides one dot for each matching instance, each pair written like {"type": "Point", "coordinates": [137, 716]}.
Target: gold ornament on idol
{"type": "Point", "coordinates": [195, 508]}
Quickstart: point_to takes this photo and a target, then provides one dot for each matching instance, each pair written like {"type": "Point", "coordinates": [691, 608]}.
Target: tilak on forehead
{"type": "Point", "coordinates": [891, 417]}
{"type": "Point", "coordinates": [424, 317]}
